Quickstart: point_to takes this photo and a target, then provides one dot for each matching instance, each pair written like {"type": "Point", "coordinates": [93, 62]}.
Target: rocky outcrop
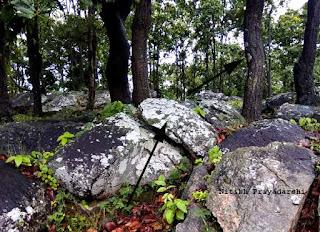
{"type": "Point", "coordinates": [23, 204]}
{"type": "Point", "coordinates": [263, 132]}
{"type": "Point", "coordinates": [111, 154]}
{"type": "Point", "coordinates": [56, 101]}
{"type": "Point", "coordinates": [261, 188]}
{"type": "Point", "coordinates": [184, 126]}
{"type": "Point", "coordinates": [25, 137]}
{"type": "Point", "coordinates": [74, 100]}
{"type": "Point", "coordinates": [295, 111]}
{"type": "Point", "coordinates": [278, 100]}
{"type": "Point", "coordinates": [220, 110]}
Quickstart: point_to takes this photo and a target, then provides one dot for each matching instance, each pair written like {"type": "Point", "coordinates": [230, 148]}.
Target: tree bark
{"type": "Point", "coordinates": [5, 109]}
{"type": "Point", "coordinates": [114, 14]}
{"type": "Point", "coordinates": [303, 69]}
{"type": "Point", "coordinates": [92, 59]}
{"type": "Point", "coordinates": [35, 63]}
{"type": "Point", "coordinates": [255, 60]}
{"type": "Point", "coordinates": [140, 28]}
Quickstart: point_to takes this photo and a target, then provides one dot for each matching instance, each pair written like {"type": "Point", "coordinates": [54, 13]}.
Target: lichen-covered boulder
{"type": "Point", "coordinates": [111, 154]}
{"type": "Point", "coordinates": [263, 132]}
{"type": "Point", "coordinates": [220, 110]}
{"type": "Point", "coordinates": [183, 125]}
{"type": "Point", "coordinates": [294, 111]}
{"type": "Point", "coordinates": [23, 204]}
{"type": "Point", "coordinates": [25, 137]}
{"type": "Point", "coordinates": [261, 188]}
{"type": "Point", "coordinates": [73, 100]}
{"type": "Point", "coordinates": [22, 103]}
{"type": "Point", "coordinates": [209, 95]}
{"type": "Point", "coordinates": [278, 100]}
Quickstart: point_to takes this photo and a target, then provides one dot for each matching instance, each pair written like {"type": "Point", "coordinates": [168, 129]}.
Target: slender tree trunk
{"type": "Point", "coordinates": [114, 14]}
{"type": "Point", "coordinates": [92, 59]}
{"type": "Point", "coordinates": [140, 27]}
{"type": "Point", "coordinates": [35, 63]}
{"type": "Point", "coordinates": [157, 74]}
{"type": "Point", "coordinates": [303, 70]}
{"type": "Point", "coordinates": [269, 76]}
{"type": "Point", "coordinates": [5, 109]}
{"type": "Point", "coordinates": [255, 60]}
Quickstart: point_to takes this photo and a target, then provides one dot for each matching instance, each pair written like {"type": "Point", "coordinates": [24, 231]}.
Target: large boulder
{"type": "Point", "coordinates": [25, 137]}
{"type": "Point", "coordinates": [278, 100]}
{"type": "Point", "coordinates": [263, 132]}
{"type": "Point", "coordinates": [209, 95]}
{"type": "Point", "coordinates": [23, 102]}
{"type": "Point", "coordinates": [183, 125]}
{"type": "Point", "coordinates": [294, 111]}
{"type": "Point", "coordinates": [111, 154]}
{"type": "Point", "coordinates": [220, 109]}
{"type": "Point", "coordinates": [73, 100]}
{"type": "Point", "coordinates": [23, 203]}
{"type": "Point", "coordinates": [261, 188]}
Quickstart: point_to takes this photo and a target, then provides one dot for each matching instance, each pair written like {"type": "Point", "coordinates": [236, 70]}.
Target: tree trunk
{"type": "Point", "coordinates": [92, 59]}
{"type": "Point", "coordinates": [255, 60]}
{"type": "Point", "coordinates": [303, 70]}
{"type": "Point", "coordinates": [35, 63]}
{"type": "Point", "coordinates": [114, 14]}
{"type": "Point", "coordinates": [140, 28]}
{"type": "Point", "coordinates": [5, 109]}
{"type": "Point", "coordinates": [269, 76]}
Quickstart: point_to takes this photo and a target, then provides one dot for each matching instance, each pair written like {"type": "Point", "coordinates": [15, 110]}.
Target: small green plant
{"type": "Point", "coordinates": [309, 124]}
{"type": "Point", "coordinates": [174, 208]}
{"type": "Point", "coordinates": [24, 118]}
{"type": "Point", "coordinates": [118, 202]}
{"type": "Point", "coordinates": [161, 183]}
{"type": "Point", "coordinates": [200, 195]}
{"type": "Point", "coordinates": [204, 214]}
{"type": "Point", "coordinates": [65, 138]}
{"type": "Point", "coordinates": [20, 160]}
{"type": "Point", "coordinates": [198, 162]}
{"type": "Point", "coordinates": [215, 155]}
{"type": "Point", "coordinates": [112, 109]}
{"type": "Point", "coordinates": [40, 160]}
{"type": "Point", "coordinates": [198, 110]}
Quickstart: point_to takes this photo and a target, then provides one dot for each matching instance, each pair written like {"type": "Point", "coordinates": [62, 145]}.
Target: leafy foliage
{"type": "Point", "coordinates": [309, 124]}
{"type": "Point", "coordinates": [174, 208]}
{"type": "Point", "coordinates": [112, 109]}
{"type": "Point", "coordinates": [200, 195]}
{"type": "Point", "coordinates": [198, 110]}
{"type": "Point", "coordinates": [215, 155]}
{"type": "Point", "coordinates": [65, 138]}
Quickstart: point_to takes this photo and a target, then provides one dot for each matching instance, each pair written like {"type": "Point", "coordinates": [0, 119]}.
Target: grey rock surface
{"type": "Point", "coordinates": [245, 190]}
{"type": "Point", "coordinates": [110, 155]}
{"type": "Point", "coordinates": [278, 100]}
{"type": "Point", "coordinates": [73, 100]}
{"type": "Point", "coordinates": [294, 111]}
{"type": "Point", "coordinates": [193, 222]}
{"type": "Point", "coordinates": [218, 107]}
{"type": "Point", "coordinates": [184, 126]}
{"type": "Point", "coordinates": [25, 137]}
{"type": "Point", "coordinates": [23, 204]}
{"type": "Point", "coordinates": [263, 132]}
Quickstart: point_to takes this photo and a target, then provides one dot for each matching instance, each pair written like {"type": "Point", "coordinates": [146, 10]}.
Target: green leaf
{"type": "Point", "coordinates": [18, 161]}
{"type": "Point", "coordinates": [161, 189]}
{"type": "Point", "coordinates": [169, 215]}
{"type": "Point", "coordinates": [180, 215]}
{"type": "Point", "coordinates": [181, 204]}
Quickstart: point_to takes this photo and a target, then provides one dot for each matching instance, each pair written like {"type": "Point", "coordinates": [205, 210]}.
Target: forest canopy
{"type": "Point", "coordinates": [87, 45]}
